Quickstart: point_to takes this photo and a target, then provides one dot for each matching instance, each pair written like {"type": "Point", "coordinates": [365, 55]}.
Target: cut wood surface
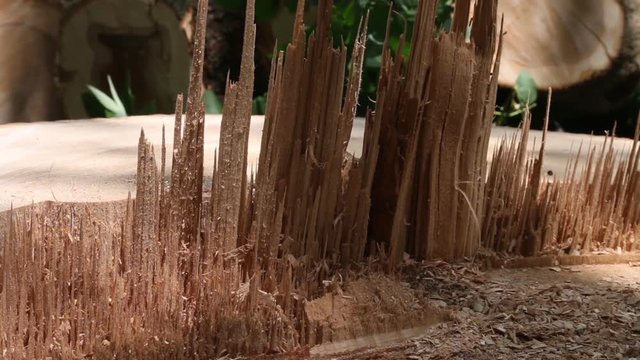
{"type": "Point", "coordinates": [560, 42]}
{"type": "Point", "coordinates": [95, 160]}
{"type": "Point", "coordinates": [589, 48]}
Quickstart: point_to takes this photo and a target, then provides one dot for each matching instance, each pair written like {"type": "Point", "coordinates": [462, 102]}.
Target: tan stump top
{"type": "Point", "coordinates": [95, 160]}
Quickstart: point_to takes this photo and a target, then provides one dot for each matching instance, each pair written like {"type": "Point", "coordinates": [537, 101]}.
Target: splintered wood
{"type": "Point", "coordinates": [596, 208]}
{"type": "Point", "coordinates": [436, 115]}
{"type": "Point", "coordinates": [257, 264]}
{"type": "Point", "coordinates": [305, 180]}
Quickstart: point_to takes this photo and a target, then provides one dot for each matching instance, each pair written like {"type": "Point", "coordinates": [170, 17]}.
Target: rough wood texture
{"type": "Point", "coordinates": [229, 190]}
{"type": "Point", "coordinates": [257, 265]}
{"type": "Point", "coordinates": [592, 207]}
{"type": "Point", "coordinates": [436, 125]}
{"type": "Point", "coordinates": [307, 127]}
{"type": "Point", "coordinates": [200, 276]}
{"type": "Point", "coordinates": [595, 28]}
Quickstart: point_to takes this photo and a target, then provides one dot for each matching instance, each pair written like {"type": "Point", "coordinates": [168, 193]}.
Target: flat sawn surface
{"type": "Point", "coordinates": [95, 159]}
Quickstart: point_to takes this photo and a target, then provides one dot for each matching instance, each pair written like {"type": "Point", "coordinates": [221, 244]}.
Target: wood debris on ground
{"type": "Point", "coordinates": [582, 312]}
{"type": "Point", "coordinates": [175, 274]}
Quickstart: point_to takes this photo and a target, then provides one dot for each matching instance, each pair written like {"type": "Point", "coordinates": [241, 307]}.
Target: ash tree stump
{"type": "Point", "coordinates": [588, 51]}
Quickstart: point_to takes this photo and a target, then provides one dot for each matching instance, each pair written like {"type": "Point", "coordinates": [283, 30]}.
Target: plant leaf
{"type": "Point", "coordinates": [120, 110]}
{"type": "Point", "coordinates": [110, 106]}
{"type": "Point", "coordinates": [526, 89]}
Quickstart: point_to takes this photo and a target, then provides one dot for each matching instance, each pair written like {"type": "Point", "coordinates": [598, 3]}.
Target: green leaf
{"type": "Point", "coordinates": [345, 15]}
{"type": "Point", "coordinates": [103, 98]}
{"type": "Point", "coordinates": [212, 104]}
{"type": "Point", "coordinates": [114, 95]}
{"type": "Point", "coordinates": [113, 107]}
{"type": "Point", "coordinates": [443, 14]}
{"type": "Point", "coordinates": [526, 90]}
{"type": "Point", "coordinates": [92, 106]}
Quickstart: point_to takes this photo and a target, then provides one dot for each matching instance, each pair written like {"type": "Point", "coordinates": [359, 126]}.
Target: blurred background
{"type": "Point", "coordinates": [77, 59]}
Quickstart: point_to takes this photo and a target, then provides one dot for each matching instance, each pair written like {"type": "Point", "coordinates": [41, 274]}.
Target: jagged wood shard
{"type": "Point", "coordinates": [427, 192]}
{"type": "Point", "coordinates": [257, 266]}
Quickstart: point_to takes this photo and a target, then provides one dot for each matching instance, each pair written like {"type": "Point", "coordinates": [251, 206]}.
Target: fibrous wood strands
{"type": "Point", "coordinates": [595, 208]}
{"type": "Point", "coordinates": [156, 277]}
{"type": "Point", "coordinates": [303, 157]}
{"type": "Point", "coordinates": [176, 274]}
{"type": "Point", "coordinates": [435, 115]}
{"type": "Point", "coordinates": [173, 274]}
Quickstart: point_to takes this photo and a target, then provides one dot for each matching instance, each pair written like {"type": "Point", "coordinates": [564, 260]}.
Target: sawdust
{"type": "Point", "coordinates": [578, 312]}
{"type": "Point", "coordinates": [372, 305]}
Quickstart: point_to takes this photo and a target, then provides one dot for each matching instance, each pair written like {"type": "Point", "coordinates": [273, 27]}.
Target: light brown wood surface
{"type": "Point", "coordinates": [560, 43]}
{"type": "Point", "coordinates": [95, 160]}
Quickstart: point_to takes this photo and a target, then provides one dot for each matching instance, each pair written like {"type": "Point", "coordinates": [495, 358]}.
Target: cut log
{"type": "Point", "coordinates": [588, 48]}
{"type": "Point", "coordinates": [137, 39]}
{"type": "Point", "coordinates": [28, 32]}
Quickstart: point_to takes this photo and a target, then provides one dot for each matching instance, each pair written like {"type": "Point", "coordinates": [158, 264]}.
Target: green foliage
{"type": "Point", "coordinates": [526, 91]}
{"type": "Point", "coordinates": [346, 18]}
{"type": "Point", "coordinates": [523, 96]}
{"type": "Point", "coordinates": [347, 15]}
{"type": "Point", "coordinates": [443, 17]}
{"type": "Point", "coordinates": [113, 106]}
{"type": "Point", "coordinates": [98, 104]}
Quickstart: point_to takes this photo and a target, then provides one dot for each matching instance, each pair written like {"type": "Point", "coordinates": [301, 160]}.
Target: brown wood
{"type": "Point", "coordinates": [587, 48]}
{"type": "Point", "coordinates": [271, 261]}
{"type": "Point", "coordinates": [28, 34]}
